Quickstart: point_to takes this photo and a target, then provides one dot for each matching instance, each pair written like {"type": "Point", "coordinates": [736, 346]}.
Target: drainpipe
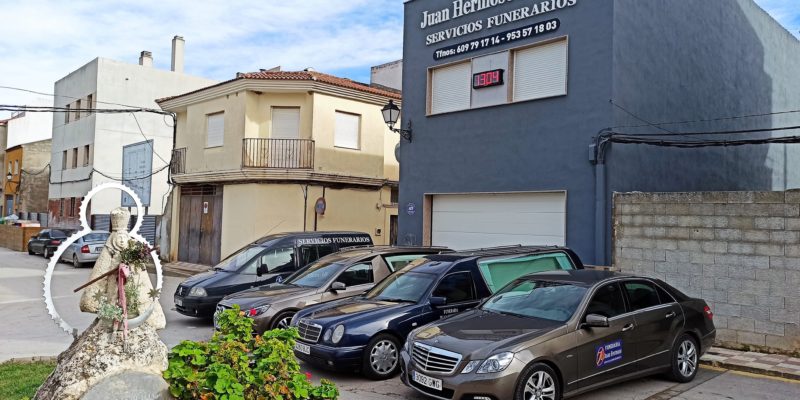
{"type": "Point", "coordinates": [597, 157]}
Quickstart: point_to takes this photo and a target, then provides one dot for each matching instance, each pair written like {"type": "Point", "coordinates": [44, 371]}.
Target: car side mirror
{"type": "Point", "coordinates": [262, 269]}
{"type": "Point", "coordinates": [438, 301]}
{"type": "Point", "coordinates": [596, 321]}
{"type": "Point", "coordinates": [338, 286]}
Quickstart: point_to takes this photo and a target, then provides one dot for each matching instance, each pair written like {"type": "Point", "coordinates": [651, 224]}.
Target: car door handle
{"type": "Point", "coordinates": [628, 327]}
{"type": "Point", "coordinates": [670, 315]}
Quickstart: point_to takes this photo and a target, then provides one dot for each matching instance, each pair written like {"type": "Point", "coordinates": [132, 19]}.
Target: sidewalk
{"type": "Point", "coordinates": [184, 269]}
{"type": "Point", "coordinates": [757, 363]}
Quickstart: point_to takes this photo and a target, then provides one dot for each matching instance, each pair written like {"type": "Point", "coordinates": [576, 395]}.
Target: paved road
{"type": "Point", "coordinates": [26, 331]}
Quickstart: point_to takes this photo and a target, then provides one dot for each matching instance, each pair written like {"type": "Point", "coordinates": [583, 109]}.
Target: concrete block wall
{"type": "Point", "coordinates": [740, 251]}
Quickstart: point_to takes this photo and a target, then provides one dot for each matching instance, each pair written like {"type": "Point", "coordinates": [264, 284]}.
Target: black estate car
{"type": "Point", "coordinates": [267, 260]}
{"type": "Point", "coordinates": [46, 242]}
{"type": "Point", "coordinates": [337, 276]}
{"type": "Point", "coordinates": [366, 332]}
{"type": "Point", "coordinates": [558, 334]}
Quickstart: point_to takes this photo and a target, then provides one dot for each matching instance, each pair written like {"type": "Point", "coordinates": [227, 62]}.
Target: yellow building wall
{"type": "Point", "coordinates": [251, 211]}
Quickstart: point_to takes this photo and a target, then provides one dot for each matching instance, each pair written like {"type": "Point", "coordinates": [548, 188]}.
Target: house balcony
{"type": "Point", "coordinates": [278, 153]}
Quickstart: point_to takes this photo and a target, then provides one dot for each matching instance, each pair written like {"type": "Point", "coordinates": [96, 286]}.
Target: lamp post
{"type": "Point", "coordinates": [391, 113]}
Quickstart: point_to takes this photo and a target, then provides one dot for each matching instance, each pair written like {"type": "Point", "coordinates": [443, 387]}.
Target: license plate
{"type": "Point", "coordinates": [178, 301]}
{"type": "Point", "coordinates": [302, 348]}
{"type": "Point", "coordinates": [426, 381]}
{"type": "Point", "coordinates": [97, 250]}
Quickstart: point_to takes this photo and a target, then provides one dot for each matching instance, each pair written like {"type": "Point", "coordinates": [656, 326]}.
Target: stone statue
{"type": "Point", "coordinates": [106, 364]}
{"type": "Point", "coordinates": [108, 261]}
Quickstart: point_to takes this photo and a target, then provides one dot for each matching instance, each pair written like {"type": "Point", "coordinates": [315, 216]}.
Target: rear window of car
{"type": "Point", "coordinates": [57, 235]}
{"type": "Point", "coordinates": [96, 237]}
{"type": "Point", "coordinates": [398, 262]}
{"type": "Point", "coordinates": [499, 272]}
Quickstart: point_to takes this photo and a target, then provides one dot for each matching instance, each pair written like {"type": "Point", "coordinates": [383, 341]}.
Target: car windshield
{"type": "Point", "coordinates": [555, 301]}
{"type": "Point", "coordinates": [235, 262]}
{"type": "Point", "coordinates": [402, 287]}
{"type": "Point", "coordinates": [57, 235]}
{"type": "Point", "coordinates": [96, 237]}
{"type": "Point", "coordinates": [314, 275]}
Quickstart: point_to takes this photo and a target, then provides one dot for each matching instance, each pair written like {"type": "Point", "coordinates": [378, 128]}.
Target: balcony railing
{"type": "Point", "coordinates": [278, 153]}
{"type": "Point", "coordinates": [178, 161]}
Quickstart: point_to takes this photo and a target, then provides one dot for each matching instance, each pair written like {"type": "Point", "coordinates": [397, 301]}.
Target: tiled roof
{"type": "Point", "coordinates": [303, 76]}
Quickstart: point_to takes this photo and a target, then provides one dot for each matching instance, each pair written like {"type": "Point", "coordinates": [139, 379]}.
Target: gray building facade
{"type": "Point", "coordinates": [509, 159]}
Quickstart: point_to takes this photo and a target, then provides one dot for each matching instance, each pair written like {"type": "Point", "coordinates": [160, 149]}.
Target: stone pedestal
{"type": "Point", "coordinates": [98, 358]}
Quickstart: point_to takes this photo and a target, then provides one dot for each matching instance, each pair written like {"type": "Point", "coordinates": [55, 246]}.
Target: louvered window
{"type": "Point", "coordinates": [451, 88]}
{"type": "Point", "coordinates": [215, 130]}
{"type": "Point", "coordinates": [285, 123]}
{"type": "Point", "coordinates": [347, 130]}
{"type": "Point", "coordinates": [540, 71]}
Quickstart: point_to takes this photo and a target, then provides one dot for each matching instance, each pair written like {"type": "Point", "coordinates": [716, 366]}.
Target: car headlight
{"type": "Point", "coordinates": [471, 366]}
{"type": "Point", "coordinates": [198, 292]}
{"type": "Point", "coordinates": [338, 332]}
{"type": "Point", "coordinates": [496, 363]}
{"type": "Point", "coordinates": [256, 311]}
{"type": "Point", "coordinates": [327, 336]}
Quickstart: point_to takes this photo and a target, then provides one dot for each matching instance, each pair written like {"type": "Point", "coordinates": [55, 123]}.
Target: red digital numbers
{"type": "Point", "coordinates": [487, 79]}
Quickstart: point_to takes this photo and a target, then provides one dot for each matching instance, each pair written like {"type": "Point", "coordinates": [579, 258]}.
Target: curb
{"type": "Point", "coordinates": [758, 371]}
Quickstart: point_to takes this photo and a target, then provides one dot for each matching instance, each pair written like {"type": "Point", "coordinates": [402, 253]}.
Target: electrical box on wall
{"type": "Point", "coordinates": [378, 231]}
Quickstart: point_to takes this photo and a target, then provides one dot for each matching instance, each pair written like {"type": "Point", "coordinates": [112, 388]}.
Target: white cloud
{"type": "Point", "coordinates": [42, 41]}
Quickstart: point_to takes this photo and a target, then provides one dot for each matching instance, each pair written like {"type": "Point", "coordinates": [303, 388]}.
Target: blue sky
{"type": "Point", "coordinates": [43, 40]}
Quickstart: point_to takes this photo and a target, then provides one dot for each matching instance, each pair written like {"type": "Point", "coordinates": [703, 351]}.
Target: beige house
{"type": "Point", "coordinates": [274, 151]}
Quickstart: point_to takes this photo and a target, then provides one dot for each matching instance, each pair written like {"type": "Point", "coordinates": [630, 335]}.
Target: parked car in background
{"type": "Point", "coordinates": [558, 334]}
{"type": "Point", "coordinates": [366, 332]}
{"type": "Point", "coordinates": [46, 242]}
{"type": "Point", "coordinates": [267, 260]}
{"type": "Point", "coordinates": [86, 249]}
{"type": "Point", "coordinates": [340, 275]}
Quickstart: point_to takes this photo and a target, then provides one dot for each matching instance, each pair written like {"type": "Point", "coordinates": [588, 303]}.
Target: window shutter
{"type": "Point", "coordinates": [540, 71]}
{"type": "Point", "coordinates": [451, 88]}
{"type": "Point", "coordinates": [285, 123]}
{"type": "Point", "coordinates": [215, 128]}
{"type": "Point", "coordinates": [347, 127]}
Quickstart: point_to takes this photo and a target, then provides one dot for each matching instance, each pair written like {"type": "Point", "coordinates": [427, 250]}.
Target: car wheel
{"type": "Point", "coordinates": [538, 382]}
{"type": "Point", "coordinates": [30, 252]}
{"type": "Point", "coordinates": [282, 320]}
{"type": "Point", "coordinates": [685, 358]}
{"type": "Point", "coordinates": [46, 253]}
{"type": "Point", "coordinates": [75, 262]}
{"type": "Point", "coordinates": [381, 357]}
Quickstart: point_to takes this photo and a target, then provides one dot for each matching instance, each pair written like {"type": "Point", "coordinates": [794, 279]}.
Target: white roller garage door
{"type": "Point", "coordinates": [464, 221]}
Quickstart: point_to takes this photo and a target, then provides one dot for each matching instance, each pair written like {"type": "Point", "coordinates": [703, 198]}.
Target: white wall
{"type": "Point", "coordinates": [32, 126]}
{"type": "Point", "coordinates": [389, 75]}
{"type": "Point", "coordinates": [129, 84]}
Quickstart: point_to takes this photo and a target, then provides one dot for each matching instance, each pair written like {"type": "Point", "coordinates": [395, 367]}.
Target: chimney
{"type": "Point", "coordinates": [177, 54]}
{"type": "Point", "coordinates": [146, 59]}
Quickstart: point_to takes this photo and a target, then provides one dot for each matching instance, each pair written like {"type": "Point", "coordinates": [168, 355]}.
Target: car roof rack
{"type": "Point", "coordinates": [387, 246]}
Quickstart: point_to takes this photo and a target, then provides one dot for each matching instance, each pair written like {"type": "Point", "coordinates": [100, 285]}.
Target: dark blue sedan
{"type": "Point", "coordinates": [366, 332]}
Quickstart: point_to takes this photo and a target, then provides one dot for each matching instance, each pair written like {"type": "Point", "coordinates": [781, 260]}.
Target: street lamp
{"type": "Point", "coordinates": [9, 176]}
{"type": "Point", "coordinates": [391, 113]}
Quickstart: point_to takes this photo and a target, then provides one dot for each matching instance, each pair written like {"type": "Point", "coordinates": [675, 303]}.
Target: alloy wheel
{"type": "Point", "coordinates": [75, 262]}
{"type": "Point", "coordinates": [383, 357]}
{"type": "Point", "coordinates": [285, 322]}
{"type": "Point", "coordinates": [687, 358]}
{"type": "Point", "coordinates": [540, 386]}
{"type": "Point", "coordinates": [46, 253]}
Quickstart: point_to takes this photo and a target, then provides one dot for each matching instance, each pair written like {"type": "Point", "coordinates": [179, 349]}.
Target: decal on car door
{"type": "Point", "coordinates": [609, 353]}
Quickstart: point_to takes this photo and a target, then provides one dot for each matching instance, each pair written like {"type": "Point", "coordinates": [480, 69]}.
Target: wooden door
{"type": "Point", "coordinates": [200, 224]}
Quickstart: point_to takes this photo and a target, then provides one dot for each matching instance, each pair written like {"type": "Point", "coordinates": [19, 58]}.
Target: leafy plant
{"type": "Point", "coordinates": [235, 365]}
{"type": "Point", "coordinates": [136, 255]}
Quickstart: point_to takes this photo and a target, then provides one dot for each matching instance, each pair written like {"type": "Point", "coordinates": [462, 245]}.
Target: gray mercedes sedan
{"type": "Point", "coordinates": [559, 334]}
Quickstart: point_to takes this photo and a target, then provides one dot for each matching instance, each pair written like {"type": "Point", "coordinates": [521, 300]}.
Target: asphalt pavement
{"type": "Point", "coordinates": [26, 330]}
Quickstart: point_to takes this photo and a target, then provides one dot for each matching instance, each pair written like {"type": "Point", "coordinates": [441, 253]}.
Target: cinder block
{"type": "Point", "coordinates": [655, 231]}
{"type": "Point", "coordinates": [715, 247]}
{"type": "Point", "coordinates": [741, 248]}
{"type": "Point", "coordinates": [742, 324]}
{"type": "Point", "coordinates": [769, 250]}
{"type": "Point", "coordinates": [720, 322]}
{"type": "Point", "coordinates": [631, 253]}
{"type": "Point", "coordinates": [702, 234]}
{"type": "Point", "coordinates": [728, 234]}
{"type": "Point", "coordinates": [784, 237]}
{"type": "Point", "coordinates": [758, 339]}
{"type": "Point", "coordinates": [666, 220]}
{"type": "Point", "coordinates": [786, 342]}
{"type": "Point", "coordinates": [691, 221]}
{"type": "Point", "coordinates": [771, 301]}
{"type": "Point", "coordinates": [677, 209]}
{"type": "Point", "coordinates": [784, 316]}
{"type": "Point", "coordinates": [740, 222]}
{"type": "Point", "coordinates": [785, 289]}
{"type": "Point", "coordinates": [793, 224]}
{"type": "Point", "coordinates": [693, 270]}
{"type": "Point", "coordinates": [769, 197]}
{"type": "Point", "coordinates": [793, 196]}
{"type": "Point", "coordinates": [666, 244]}
{"type": "Point", "coordinates": [682, 282]}
{"type": "Point", "coordinates": [742, 299]}
{"type": "Point", "coordinates": [771, 275]}
{"type": "Point", "coordinates": [753, 286]}
{"type": "Point", "coordinates": [761, 262]}
{"type": "Point", "coordinates": [758, 236]}
{"type": "Point", "coordinates": [714, 197]}
{"type": "Point", "coordinates": [678, 256]}
{"type": "Point", "coordinates": [784, 210]}
{"type": "Point", "coordinates": [791, 303]}
{"type": "Point", "coordinates": [714, 295]}
{"type": "Point", "coordinates": [701, 258]}
{"type": "Point", "coordinates": [689, 245]}
{"type": "Point", "coordinates": [701, 209]}
{"type": "Point", "coordinates": [755, 312]}
{"type": "Point", "coordinates": [726, 335]}
{"type": "Point", "coordinates": [679, 233]}
{"type": "Point", "coordinates": [654, 254]}
{"type": "Point", "coordinates": [666, 268]}
{"type": "Point", "coordinates": [678, 197]}
{"type": "Point", "coordinates": [770, 328]}
{"type": "Point", "coordinates": [770, 223]}
{"type": "Point", "coordinates": [793, 251]}
{"type": "Point", "coordinates": [792, 277]}
{"type": "Point", "coordinates": [715, 271]}
{"type": "Point", "coordinates": [643, 220]}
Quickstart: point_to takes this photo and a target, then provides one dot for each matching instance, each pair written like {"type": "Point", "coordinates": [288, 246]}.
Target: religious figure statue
{"type": "Point", "coordinates": [107, 288]}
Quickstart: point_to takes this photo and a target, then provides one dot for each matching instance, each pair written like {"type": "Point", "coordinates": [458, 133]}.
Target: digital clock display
{"type": "Point", "coordinates": [487, 79]}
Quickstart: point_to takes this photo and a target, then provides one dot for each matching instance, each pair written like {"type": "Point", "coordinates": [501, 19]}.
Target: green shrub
{"type": "Point", "coordinates": [235, 365]}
